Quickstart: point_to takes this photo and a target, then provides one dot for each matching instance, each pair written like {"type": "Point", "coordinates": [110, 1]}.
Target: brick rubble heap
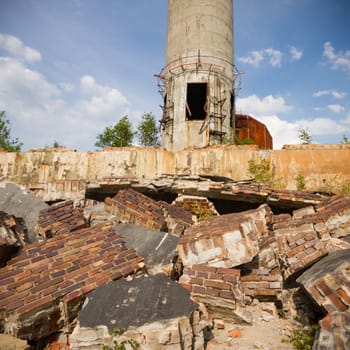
{"type": "Point", "coordinates": [41, 288]}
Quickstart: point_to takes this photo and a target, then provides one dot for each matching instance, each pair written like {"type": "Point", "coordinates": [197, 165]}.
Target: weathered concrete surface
{"type": "Point", "coordinates": [22, 204]}
{"type": "Point", "coordinates": [157, 248]}
{"type": "Point", "coordinates": [146, 299]}
{"type": "Point", "coordinates": [225, 241]}
{"type": "Point", "coordinates": [154, 311]}
{"type": "Point", "coordinates": [61, 171]}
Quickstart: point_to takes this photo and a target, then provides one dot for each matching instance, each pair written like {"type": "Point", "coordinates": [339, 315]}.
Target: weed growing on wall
{"type": "Point", "coordinates": [300, 182]}
{"type": "Point", "coordinates": [260, 170]}
{"type": "Point", "coordinates": [123, 345]}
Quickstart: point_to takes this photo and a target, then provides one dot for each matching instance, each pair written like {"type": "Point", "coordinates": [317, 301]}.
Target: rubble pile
{"type": "Point", "coordinates": [90, 281]}
{"type": "Point", "coordinates": [132, 207]}
{"type": "Point", "coordinates": [328, 284]}
{"type": "Point", "coordinates": [43, 287]}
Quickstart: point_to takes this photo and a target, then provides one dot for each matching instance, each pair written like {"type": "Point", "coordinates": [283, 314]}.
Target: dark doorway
{"type": "Point", "coordinates": [196, 101]}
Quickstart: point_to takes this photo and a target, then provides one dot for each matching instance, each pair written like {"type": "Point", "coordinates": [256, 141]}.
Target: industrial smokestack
{"type": "Point", "coordinates": [198, 78]}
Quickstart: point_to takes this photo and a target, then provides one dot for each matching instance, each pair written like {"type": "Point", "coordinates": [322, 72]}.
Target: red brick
{"type": "Point", "coordinates": [6, 281]}
{"type": "Point", "coordinates": [198, 290]}
{"type": "Point", "coordinates": [35, 306]}
{"type": "Point", "coordinates": [49, 283]}
{"type": "Point", "coordinates": [49, 290]}
{"type": "Point", "coordinates": [187, 286]}
{"type": "Point", "coordinates": [215, 276]}
{"type": "Point", "coordinates": [212, 292]}
{"type": "Point", "coordinates": [24, 286]}
{"type": "Point", "coordinates": [88, 288]}
{"type": "Point", "coordinates": [206, 268]}
{"type": "Point", "coordinates": [195, 280]}
{"type": "Point", "coordinates": [14, 305]}
{"type": "Point", "coordinates": [72, 295]}
{"type": "Point", "coordinates": [234, 272]}
{"type": "Point", "coordinates": [202, 274]}
{"type": "Point", "coordinates": [250, 278]}
{"type": "Point", "coordinates": [217, 284]}
{"type": "Point", "coordinates": [295, 251]}
{"type": "Point", "coordinates": [230, 278]}
{"type": "Point", "coordinates": [226, 294]}
{"type": "Point", "coordinates": [344, 295]}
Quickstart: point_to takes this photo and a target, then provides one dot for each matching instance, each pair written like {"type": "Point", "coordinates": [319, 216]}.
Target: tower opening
{"type": "Point", "coordinates": [196, 101]}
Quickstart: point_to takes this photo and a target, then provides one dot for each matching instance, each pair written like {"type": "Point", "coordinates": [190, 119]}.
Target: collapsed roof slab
{"type": "Point", "coordinates": [143, 300]}
{"type": "Point", "coordinates": [23, 204]}
{"type": "Point", "coordinates": [157, 248]}
{"type": "Point", "coordinates": [237, 191]}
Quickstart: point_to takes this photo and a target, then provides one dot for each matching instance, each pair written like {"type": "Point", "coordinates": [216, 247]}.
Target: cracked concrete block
{"type": "Point", "coordinates": [225, 241]}
{"type": "Point", "coordinates": [19, 202]}
{"type": "Point", "coordinates": [153, 310]}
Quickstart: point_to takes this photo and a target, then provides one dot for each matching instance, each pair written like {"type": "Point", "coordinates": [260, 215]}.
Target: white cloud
{"type": "Point", "coordinates": [39, 114]}
{"type": "Point", "coordinates": [336, 94]}
{"type": "Point", "coordinates": [338, 60]}
{"type": "Point", "coordinates": [296, 53]}
{"type": "Point", "coordinates": [323, 126]}
{"type": "Point", "coordinates": [274, 57]}
{"type": "Point", "coordinates": [254, 58]}
{"type": "Point", "coordinates": [283, 132]}
{"type": "Point", "coordinates": [265, 106]}
{"type": "Point", "coordinates": [337, 108]}
{"type": "Point", "coordinates": [15, 46]}
{"type": "Point", "coordinates": [67, 87]}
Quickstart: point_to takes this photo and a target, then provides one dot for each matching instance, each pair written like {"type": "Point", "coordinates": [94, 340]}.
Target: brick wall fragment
{"type": "Point", "coordinates": [328, 284]}
{"type": "Point", "coordinates": [42, 288]}
{"type": "Point", "coordinates": [219, 289]}
{"type": "Point", "coordinates": [132, 207]}
{"type": "Point", "coordinates": [59, 218]}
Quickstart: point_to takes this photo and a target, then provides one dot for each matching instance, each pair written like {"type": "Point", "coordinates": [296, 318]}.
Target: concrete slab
{"type": "Point", "coordinates": [157, 248]}
{"type": "Point", "coordinates": [21, 203]}
{"type": "Point", "coordinates": [147, 299]}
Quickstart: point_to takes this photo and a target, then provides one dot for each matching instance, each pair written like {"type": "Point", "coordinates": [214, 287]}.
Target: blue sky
{"type": "Point", "coordinates": [68, 68]}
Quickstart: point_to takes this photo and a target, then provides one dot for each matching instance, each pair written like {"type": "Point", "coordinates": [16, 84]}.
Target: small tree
{"type": "Point", "coordinates": [345, 139]}
{"type": "Point", "coordinates": [119, 135]}
{"type": "Point", "coordinates": [305, 137]}
{"type": "Point", "coordinates": [5, 135]}
{"type": "Point", "coordinates": [147, 131]}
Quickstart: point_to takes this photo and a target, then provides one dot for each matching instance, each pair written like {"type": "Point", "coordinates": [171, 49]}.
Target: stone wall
{"type": "Point", "coordinates": [63, 170]}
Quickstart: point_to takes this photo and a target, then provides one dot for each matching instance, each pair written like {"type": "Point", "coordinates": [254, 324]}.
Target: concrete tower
{"type": "Point", "coordinates": [197, 81]}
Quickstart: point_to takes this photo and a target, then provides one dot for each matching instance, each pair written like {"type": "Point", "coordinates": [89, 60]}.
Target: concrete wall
{"type": "Point", "coordinates": [320, 165]}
